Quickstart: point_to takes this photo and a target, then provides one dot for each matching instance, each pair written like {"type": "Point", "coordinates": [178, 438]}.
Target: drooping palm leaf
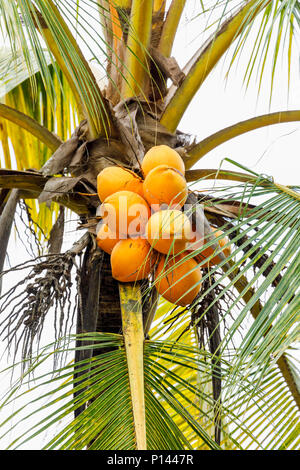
{"type": "Point", "coordinates": [172, 395]}
{"type": "Point", "coordinates": [14, 71]}
{"type": "Point", "coordinates": [259, 409]}
{"type": "Point", "coordinates": [45, 117]}
{"type": "Point", "coordinates": [271, 226]}
{"type": "Point", "coordinates": [102, 425]}
{"type": "Point", "coordinates": [24, 23]}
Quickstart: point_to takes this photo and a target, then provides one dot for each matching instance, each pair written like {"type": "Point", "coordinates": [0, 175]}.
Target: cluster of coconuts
{"type": "Point", "coordinates": [144, 229]}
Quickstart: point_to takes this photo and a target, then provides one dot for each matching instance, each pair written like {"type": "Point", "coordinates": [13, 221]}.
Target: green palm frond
{"type": "Point", "coordinates": [22, 150]}
{"type": "Point", "coordinates": [72, 34]}
{"type": "Point", "coordinates": [23, 89]}
{"type": "Point", "coordinates": [276, 226]}
{"type": "Point", "coordinates": [260, 409]}
{"type": "Point", "coordinates": [107, 422]}
{"type": "Point", "coordinates": [276, 34]}
{"type": "Point", "coordinates": [173, 392]}
{"type": "Point", "coordinates": [257, 286]}
{"type": "Point", "coordinates": [13, 69]}
{"type": "Point", "coordinates": [33, 27]}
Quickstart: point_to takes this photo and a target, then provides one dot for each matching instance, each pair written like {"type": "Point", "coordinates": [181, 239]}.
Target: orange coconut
{"type": "Point", "coordinates": [132, 260]}
{"type": "Point", "coordinates": [204, 254]}
{"type": "Point", "coordinates": [165, 186]}
{"type": "Point", "coordinates": [126, 213]}
{"type": "Point", "coordinates": [115, 178]}
{"type": "Point", "coordinates": [182, 283]}
{"type": "Point", "coordinates": [106, 239]}
{"type": "Point", "coordinates": [162, 155]}
{"type": "Point", "coordinates": [168, 231]}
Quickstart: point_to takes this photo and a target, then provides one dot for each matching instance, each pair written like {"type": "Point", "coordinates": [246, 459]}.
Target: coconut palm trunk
{"type": "Point", "coordinates": [137, 384]}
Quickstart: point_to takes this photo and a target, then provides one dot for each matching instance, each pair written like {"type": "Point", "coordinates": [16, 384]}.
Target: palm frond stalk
{"type": "Point", "coordinates": [26, 122]}
{"type": "Point", "coordinates": [133, 331]}
{"type": "Point", "coordinates": [199, 67]}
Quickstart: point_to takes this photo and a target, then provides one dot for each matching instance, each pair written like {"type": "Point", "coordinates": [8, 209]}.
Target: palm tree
{"type": "Point", "coordinates": [220, 374]}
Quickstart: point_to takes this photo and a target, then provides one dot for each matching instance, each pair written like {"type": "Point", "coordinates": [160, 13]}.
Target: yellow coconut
{"type": "Point", "coordinates": [115, 178]}
{"type": "Point", "coordinates": [162, 155]}
{"type": "Point", "coordinates": [168, 231]}
{"type": "Point", "coordinates": [106, 239]}
{"type": "Point", "coordinates": [182, 283]}
{"type": "Point", "coordinates": [206, 252]}
{"type": "Point", "coordinates": [126, 213]}
{"type": "Point", "coordinates": [132, 260]}
{"type": "Point", "coordinates": [165, 186]}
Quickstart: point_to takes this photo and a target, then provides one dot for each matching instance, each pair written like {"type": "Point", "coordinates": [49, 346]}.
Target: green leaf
{"type": "Point", "coordinates": [14, 71]}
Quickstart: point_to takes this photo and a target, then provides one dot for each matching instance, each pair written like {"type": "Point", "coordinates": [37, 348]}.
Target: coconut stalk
{"type": "Point", "coordinates": [133, 332]}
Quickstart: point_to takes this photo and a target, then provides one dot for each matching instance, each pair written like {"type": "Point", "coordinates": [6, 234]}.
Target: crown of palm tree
{"type": "Point", "coordinates": [86, 84]}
